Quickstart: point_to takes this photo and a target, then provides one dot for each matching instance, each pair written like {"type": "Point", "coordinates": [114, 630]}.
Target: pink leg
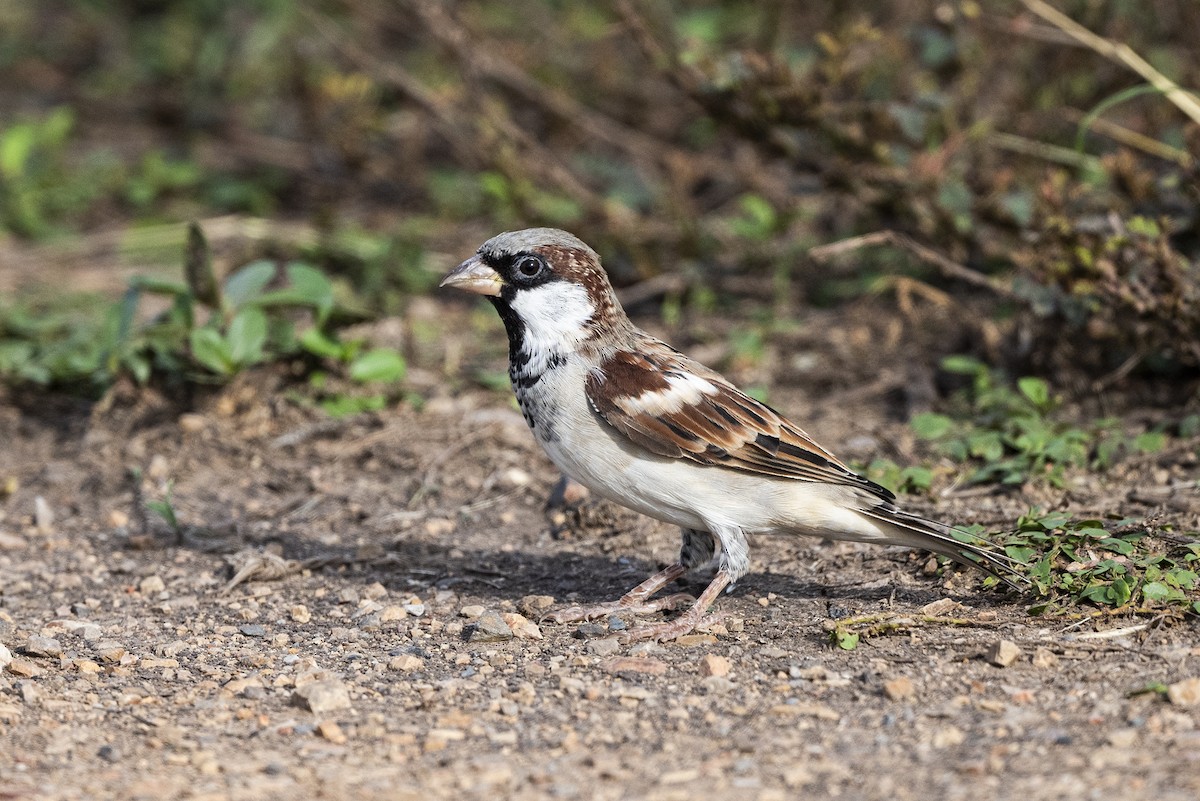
{"type": "Point", "coordinates": [689, 621]}
{"type": "Point", "coordinates": [636, 601]}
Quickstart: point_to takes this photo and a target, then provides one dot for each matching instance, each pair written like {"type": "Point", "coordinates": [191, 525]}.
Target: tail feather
{"type": "Point", "coordinates": [905, 528]}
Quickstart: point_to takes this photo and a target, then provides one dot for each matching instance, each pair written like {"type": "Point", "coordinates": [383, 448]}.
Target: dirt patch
{"type": "Point", "coordinates": [360, 670]}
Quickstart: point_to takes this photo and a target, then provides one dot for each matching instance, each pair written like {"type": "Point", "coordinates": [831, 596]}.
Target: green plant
{"type": "Point", "coordinates": [1124, 565]}
{"type": "Point", "coordinates": [1011, 434]}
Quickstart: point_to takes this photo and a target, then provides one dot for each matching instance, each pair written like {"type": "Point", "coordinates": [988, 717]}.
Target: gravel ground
{"type": "Point", "coordinates": [350, 610]}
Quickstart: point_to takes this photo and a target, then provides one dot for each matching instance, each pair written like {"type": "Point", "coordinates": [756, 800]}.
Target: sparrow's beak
{"type": "Point", "coordinates": [474, 276]}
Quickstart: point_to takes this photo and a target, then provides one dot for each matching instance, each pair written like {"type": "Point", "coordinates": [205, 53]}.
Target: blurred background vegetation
{"type": "Point", "coordinates": [1034, 161]}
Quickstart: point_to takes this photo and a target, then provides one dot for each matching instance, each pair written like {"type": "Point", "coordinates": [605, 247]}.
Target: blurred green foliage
{"type": "Point", "coordinates": [720, 139]}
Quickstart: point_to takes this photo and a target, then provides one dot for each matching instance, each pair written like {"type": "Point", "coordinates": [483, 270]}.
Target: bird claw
{"type": "Point", "coordinates": [579, 614]}
{"type": "Point", "coordinates": [662, 632]}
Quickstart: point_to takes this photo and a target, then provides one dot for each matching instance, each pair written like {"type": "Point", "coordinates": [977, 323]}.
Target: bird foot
{"type": "Point", "coordinates": [686, 623]}
{"type": "Point", "coordinates": [627, 605]}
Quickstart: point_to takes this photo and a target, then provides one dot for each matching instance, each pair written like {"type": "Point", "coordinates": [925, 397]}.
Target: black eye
{"type": "Point", "coordinates": [530, 266]}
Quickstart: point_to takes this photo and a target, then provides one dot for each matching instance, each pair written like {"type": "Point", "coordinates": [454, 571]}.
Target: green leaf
{"type": "Point", "coordinates": [845, 639]}
{"type": "Point", "coordinates": [928, 425]}
{"type": "Point", "coordinates": [247, 336]}
{"type": "Point", "coordinates": [963, 365]}
{"type": "Point", "coordinates": [16, 146]}
{"type": "Point", "coordinates": [212, 351]}
{"type": "Point", "coordinates": [318, 344]}
{"type": "Point", "coordinates": [380, 364]}
{"type": "Point", "coordinates": [1150, 441]}
{"type": "Point", "coordinates": [1037, 390]}
{"type": "Point", "coordinates": [1156, 591]}
{"type": "Point", "coordinates": [247, 283]}
{"type": "Point", "coordinates": [307, 286]}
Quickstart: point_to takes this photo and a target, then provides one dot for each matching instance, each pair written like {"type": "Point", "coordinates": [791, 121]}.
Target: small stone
{"type": "Point", "coordinates": [689, 640]}
{"type": "Point", "coordinates": [715, 665]}
{"type": "Point", "coordinates": [43, 515]}
{"type": "Point", "coordinates": [472, 611]}
{"type": "Point", "coordinates": [109, 651]}
{"type": "Point", "coordinates": [252, 630]}
{"type": "Point", "coordinates": [716, 685]}
{"type": "Point", "coordinates": [590, 631]}
{"type": "Point", "coordinates": [322, 696]}
{"type": "Point", "coordinates": [90, 632]}
{"type": "Point", "coordinates": [1185, 692]}
{"type": "Point", "coordinates": [1002, 653]}
{"type": "Point", "coordinates": [1122, 738]}
{"type": "Point", "coordinates": [109, 753]}
{"type": "Point", "coordinates": [192, 423]}
{"type": "Point", "coordinates": [948, 736]}
{"type": "Point", "coordinates": [490, 627]}
{"type": "Point", "coordinates": [5, 656]}
{"type": "Point", "coordinates": [11, 542]}
{"type": "Point", "coordinates": [604, 646]}
{"type": "Point", "coordinates": [375, 591]}
{"type": "Point", "coordinates": [348, 595]}
{"type": "Point", "coordinates": [23, 667]}
{"type": "Point", "coordinates": [514, 477]}
{"type": "Point", "coordinates": [331, 732]}
{"type": "Point", "coordinates": [522, 627]}
{"type": "Point", "coordinates": [37, 645]}
{"type": "Point", "coordinates": [899, 689]}
{"type": "Point", "coordinates": [621, 665]}
{"type": "Point", "coordinates": [300, 614]}
{"type": "Point", "coordinates": [391, 613]}
{"type": "Point", "coordinates": [159, 468]}
{"type": "Point", "coordinates": [534, 606]}
{"type": "Point", "coordinates": [29, 692]}
{"type": "Point", "coordinates": [414, 609]}
{"type": "Point", "coordinates": [439, 527]}
{"type": "Point", "coordinates": [405, 663]}
{"type": "Point", "coordinates": [87, 666]}
{"type": "Point", "coordinates": [1044, 658]}
{"type": "Point", "coordinates": [151, 585]}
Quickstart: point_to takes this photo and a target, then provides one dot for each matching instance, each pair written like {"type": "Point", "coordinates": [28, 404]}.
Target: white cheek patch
{"type": "Point", "coordinates": [554, 316]}
{"type": "Point", "coordinates": [684, 389]}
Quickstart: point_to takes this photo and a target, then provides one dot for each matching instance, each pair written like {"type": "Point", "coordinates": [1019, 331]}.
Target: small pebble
{"type": "Point", "coordinates": [151, 585]}
{"type": "Point", "coordinates": [588, 631]}
{"type": "Point", "coordinates": [331, 731]}
{"type": "Point", "coordinates": [522, 627]}
{"type": "Point", "coordinates": [252, 630]}
{"type": "Point", "coordinates": [471, 612]}
{"type": "Point", "coordinates": [534, 606]}
{"type": "Point", "coordinates": [109, 753]}
{"type": "Point", "coordinates": [1044, 658]}
{"type": "Point", "coordinates": [405, 663]}
{"type": "Point", "coordinates": [604, 646]}
{"type": "Point", "coordinates": [29, 693]}
{"type": "Point", "coordinates": [300, 614]}
{"type": "Point", "coordinates": [5, 656]}
{"type": "Point", "coordinates": [37, 645]}
{"type": "Point", "coordinates": [1185, 692]}
{"type": "Point", "coordinates": [1002, 653]}
{"type": "Point", "coordinates": [490, 627]}
{"type": "Point", "coordinates": [322, 696]}
{"type": "Point", "coordinates": [43, 516]}
{"type": "Point", "coordinates": [23, 667]}
{"type": "Point", "coordinates": [392, 613]}
{"type": "Point", "coordinates": [715, 665]}
{"type": "Point", "coordinates": [899, 689]}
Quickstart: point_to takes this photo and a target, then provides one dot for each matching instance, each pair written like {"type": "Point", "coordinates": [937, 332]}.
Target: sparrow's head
{"type": "Point", "coordinates": [547, 285]}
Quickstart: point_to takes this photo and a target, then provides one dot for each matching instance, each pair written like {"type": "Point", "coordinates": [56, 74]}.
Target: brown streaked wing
{"type": "Point", "coordinates": [723, 427]}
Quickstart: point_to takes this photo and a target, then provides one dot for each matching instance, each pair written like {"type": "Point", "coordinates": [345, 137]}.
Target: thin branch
{"type": "Point", "coordinates": [948, 267]}
{"type": "Point", "coordinates": [1121, 53]}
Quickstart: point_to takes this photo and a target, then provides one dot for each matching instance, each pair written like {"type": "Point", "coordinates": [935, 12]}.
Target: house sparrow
{"type": "Point", "coordinates": [639, 423]}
